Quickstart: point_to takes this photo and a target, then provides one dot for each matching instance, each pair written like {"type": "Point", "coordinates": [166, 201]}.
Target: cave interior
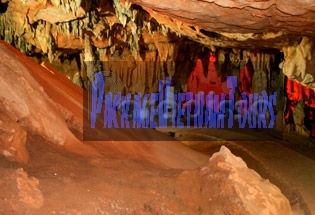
{"type": "Point", "coordinates": [199, 46]}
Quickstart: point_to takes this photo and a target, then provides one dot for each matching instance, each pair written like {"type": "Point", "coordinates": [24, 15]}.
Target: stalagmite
{"type": "Point", "coordinates": [298, 117]}
{"type": "Point", "coordinates": [261, 65]}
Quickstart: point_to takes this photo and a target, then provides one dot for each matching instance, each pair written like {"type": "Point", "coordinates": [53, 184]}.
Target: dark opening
{"type": "Point", "coordinates": [3, 7]}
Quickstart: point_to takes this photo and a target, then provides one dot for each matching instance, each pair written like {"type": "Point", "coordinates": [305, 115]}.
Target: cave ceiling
{"type": "Point", "coordinates": [56, 27]}
{"type": "Point", "coordinates": [259, 23]}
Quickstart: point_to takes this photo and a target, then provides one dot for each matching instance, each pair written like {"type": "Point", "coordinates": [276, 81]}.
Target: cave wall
{"type": "Point", "coordinates": [70, 36]}
{"type": "Point", "coordinates": [113, 30]}
{"type": "Point", "coordinates": [142, 42]}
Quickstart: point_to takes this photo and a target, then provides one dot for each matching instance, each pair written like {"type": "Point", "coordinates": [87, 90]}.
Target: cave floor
{"type": "Point", "coordinates": [75, 185]}
{"type": "Point", "coordinates": [285, 159]}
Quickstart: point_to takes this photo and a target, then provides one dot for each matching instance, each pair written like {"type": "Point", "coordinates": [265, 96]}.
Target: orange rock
{"type": "Point", "coordinates": [12, 142]}
{"type": "Point", "coordinates": [69, 41]}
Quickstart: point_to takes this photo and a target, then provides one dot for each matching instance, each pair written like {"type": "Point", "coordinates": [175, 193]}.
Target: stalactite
{"type": "Point", "coordinates": [29, 47]}
{"type": "Point", "coordinates": [67, 29]}
{"type": "Point", "coordinates": [43, 35]}
{"type": "Point", "coordinates": [110, 41]}
{"type": "Point", "coordinates": [220, 61]}
{"type": "Point", "coordinates": [75, 5]}
{"type": "Point", "coordinates": [125, 36]}
{"type": "Point", "coordinates": [107, 33]}
{"type": "Point", "coordinates": [127, 5]}
{"type": "Point", "coordinates": [67, 6]}
{"type": "Point", "coordinates": [24, 46]}
{"type": "Point", "coordinates": [83, 69]}
{"type": "Point", "coordinates": [136, 24]}
{"type": "Point", "coordinates": [123, 20]}
{"type": "Point", "coordinates": [20, 45]}
{"type": "Point", "coordinates": [112, 49]}
{"type": "Point", "coordinates": [50, 50]}
{"type": "Point", "coordinates": [33, 32]}
{"type": "Point", "coordinates": [63, 27]}
{"type": "Point", "coordinates": [77, 79]}
{"type": "Point", "coordinates": [88, 51]}
{"type": "Point", "coordinates": [103, 54]}
{"type": "Point", "coordinates": [56, 2]}
{"type": "Point", "coordinates": [92, 65]}
{"type": "Point", "coordinates": [93, 19]}
{"type": "Point", "coordinates": [134, 40]}
{"type": "Point", "coordinates": [260, 60]}
{"type": "Point", "coordinates": [165, 50]}
{"type": "Point", "coordinates": [19, 25]}
{"type": "Point", "coordinates": [261, 64]}
{"type": "Point", "coordinates": [122, 13]}
{"type": "Point", "coordinates": [149, 28]}
{"type": "Point", "coordinates": [165, 30]}
{"type": "Point", "coordinates": [8, 35]}
{"type": "Point", "coordinates": [133, 27]}
{"type": "Point", "coordinates": [75, 28]}
{"type": "Point", "coordinates": [178, 34]}
{"type": "Point", "coordinates": [81, 26]}
{"type": "Point", "coordinates": [2, 24]}
{"type": "Point", "coordinates": [134, 15]}
{"type": "Point", "coordinates": [58, 27]}
{"type": "Point", "coordinates": [7, 29]}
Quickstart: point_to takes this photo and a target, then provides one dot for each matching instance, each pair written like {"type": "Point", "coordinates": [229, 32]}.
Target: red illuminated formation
{"type": "Point", "coordinates": [196, 78]}
{"type": "Point", "coordinates": [197, 82]}
{"type": "Point", "coordinates": [246, 78]}
{"type": "Point", "coordinates": [296, 92]}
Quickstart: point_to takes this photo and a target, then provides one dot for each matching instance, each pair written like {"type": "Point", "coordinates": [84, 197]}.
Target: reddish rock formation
{"type": "Point", "coordinates": [262, 17]}
{"type": "Point", "coordinates": [12, 141]}
{"type": "Point", "coordinates": [141, 42]}
{"type": "Point", "coordinates": [28, 103]}
{"type": "Point", "coordinates": [19, 192]}
{"type": "Point", "coordinates": [298, 93]}
{"type": "Point", "coordinates": [226, 175]}
{"type": "Point", "coordinates": [121, 177]}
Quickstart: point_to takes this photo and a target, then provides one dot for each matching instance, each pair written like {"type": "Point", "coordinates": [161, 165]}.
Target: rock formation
{"type": "Point", "coordinates": [20, 192]}
{"type": "Point", "coordinates": [27, 104]}
{"type": "Point", "coordinates": [147, 31]}
{"type": "Point", "coordinates": [12, 141]}
{"type": "Point", "coordinates": [298, 117]}
{"type": "Point", "coordinates": [231, 177]}
{"type": "Point", "coordinates": [142, 42]}
{"type": "Point", "coordinates": [137, 43]}
{"type": "Point", "coordinates": [69, 176]}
